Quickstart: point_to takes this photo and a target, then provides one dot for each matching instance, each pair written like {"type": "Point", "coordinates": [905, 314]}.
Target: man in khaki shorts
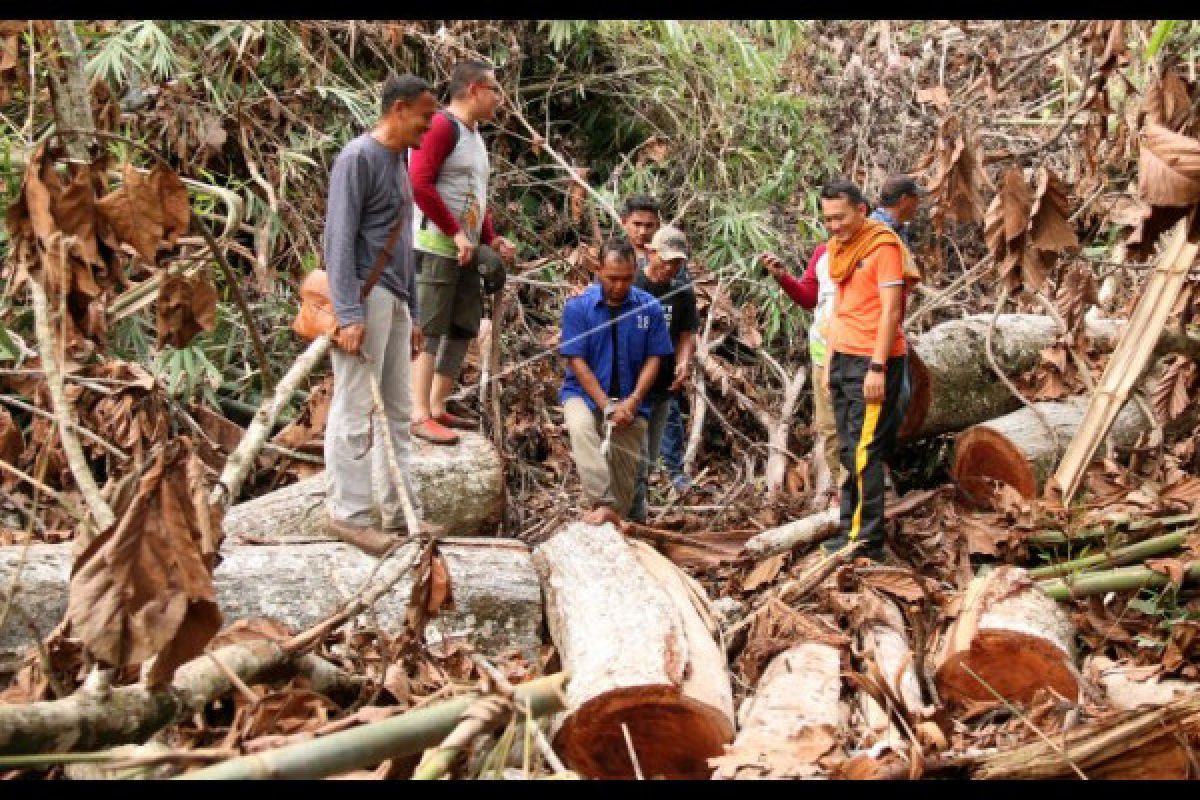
{"type": "Point", "coordinates": [452, 236]}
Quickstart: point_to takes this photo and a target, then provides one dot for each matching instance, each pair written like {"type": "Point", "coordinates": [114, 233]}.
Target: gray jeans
{"type": "Point", "coordinates": [606, 481]}
{"type": "Point", "coordinates": [654, 436]}
{"type": "Point", "coordinates": [348, 432]}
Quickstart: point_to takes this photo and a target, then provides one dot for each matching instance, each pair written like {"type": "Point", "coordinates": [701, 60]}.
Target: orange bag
{"type": "Point", "coordinates": [315, 317]}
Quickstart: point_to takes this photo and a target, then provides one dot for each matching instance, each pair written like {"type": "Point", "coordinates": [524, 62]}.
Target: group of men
{"type": "Point", "coordinates": [408, 201]}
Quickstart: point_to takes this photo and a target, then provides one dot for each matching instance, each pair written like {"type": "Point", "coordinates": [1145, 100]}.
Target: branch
{"type": "Point", "coordinates": [47, 348]}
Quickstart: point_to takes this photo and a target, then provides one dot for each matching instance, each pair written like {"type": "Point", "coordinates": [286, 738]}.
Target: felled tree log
{"type": "Point", "coordinates": [495, 591]}
{"type": "Point", "coordinates": [1016, 449]}
{"type": "Point", "coordinates": [459, 486]}
{"type": "Point", "coordinates": [630, 645]}
{"type": "Point", "coordinates": [961, 388]}
{"type": "Point", "coordinates": [884, 641]}
{"type": "Point", "coordinates": [1010, 639]}
{"type": "Point", "coordinates": [791, 719]}
{"type": "Point", "coordinates": [1127, 687]}
{"type": "Point", "coordinates": [804, 531]}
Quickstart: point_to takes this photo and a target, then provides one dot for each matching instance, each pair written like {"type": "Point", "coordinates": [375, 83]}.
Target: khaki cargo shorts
{"type": "Point", "coordinates": [449, 297]}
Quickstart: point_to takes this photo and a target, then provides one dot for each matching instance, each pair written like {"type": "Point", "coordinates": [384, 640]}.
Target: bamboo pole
{"type": "Point", "coordinates": [1052, 538]}
{"type": "Point", "coordinates": [1122, 555]}
{"type": "Point", "coordinates": [369, 744]}
{"type": "Point", "coordinates": [1114, 580]}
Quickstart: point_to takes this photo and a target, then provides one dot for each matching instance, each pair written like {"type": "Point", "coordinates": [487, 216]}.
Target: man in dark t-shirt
{"type": "Point", "coordinates": [667, 253]}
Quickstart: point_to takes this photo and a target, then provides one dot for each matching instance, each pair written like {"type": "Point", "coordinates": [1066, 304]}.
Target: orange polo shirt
{"type": "Point", "coordinates": [859, 308]}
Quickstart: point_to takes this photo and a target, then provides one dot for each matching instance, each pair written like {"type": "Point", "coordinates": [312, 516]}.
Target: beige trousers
{"type": "Point", "coordinates": [606, 482]}
{"type": "Point", "coordinates": [826, 425]}
{"type": "Point", "coordinates": [348, 433]}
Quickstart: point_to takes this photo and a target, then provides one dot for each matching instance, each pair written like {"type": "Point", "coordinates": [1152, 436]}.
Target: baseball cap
{"type": "Point", "coordinates": [670, 243]}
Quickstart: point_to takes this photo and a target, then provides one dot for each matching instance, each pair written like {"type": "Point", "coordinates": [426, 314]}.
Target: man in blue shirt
{"type": "Point", "coordinates": [613, 337]}
{"type": "Point", "coordinates": [898, 202]}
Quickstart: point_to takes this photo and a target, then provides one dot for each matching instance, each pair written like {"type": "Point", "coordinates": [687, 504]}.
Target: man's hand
{"type": "Point", "coordinates": [349, 338]}
{"type": "Point", "coordinates": [466, 248]}
{"type": "Point", "coordinates": [772, 264]}
{"type": "Point", "coordinates": [683, 369]}
{"type": "Point", "coordinates": [873, 387]}
{"type": "Point", "coordinates": [418, 340]}
{"type": "Point", "coordinates": [504, 248]}
{"type": "Point", "coordinates": [625, 412]}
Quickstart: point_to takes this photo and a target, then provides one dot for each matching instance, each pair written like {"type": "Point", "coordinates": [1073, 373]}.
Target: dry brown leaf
{"type": "Point", "coordinates": [439, 585]}
{"type": "Point", "coordinates": [1173, 392]}
{"type": "Point", "coordinates": [1049, 229]}
{"type": "Point", "coordinates": [764, 572]}
{"type": "Point", "coordinates": [148, 211]}
{"type": "Point", "coordinates": [899, 584]}
{"type": "Point", "coordinates": [958, 177]}
{"type": "Point", "coordinates": [937, 95]}
{"type": "Point", "coordinates": [251, 629]}
{"type": "Point", "coordinates": [1168, 102]}
{"type": "Point", "coordinates": [1175, 569]}
{"type": "Point", "coordinates": [12, 442]}
{"type": "Point", "coordinates": [1168, 167]}
{"type": "Point", "coordinates": [144, 587]}
{"type": "Point", "coordinates": [1076, 293]}
{"type": "Point", "coordinates": [186, 306]}
{"type": "Point", "coordinates": [656, 149]}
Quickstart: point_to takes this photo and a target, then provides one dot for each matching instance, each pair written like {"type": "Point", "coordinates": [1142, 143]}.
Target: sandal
{"type": "Point", "coordinates": [454, 421]}
{"type": "Point", "coordinates": [433, 431]}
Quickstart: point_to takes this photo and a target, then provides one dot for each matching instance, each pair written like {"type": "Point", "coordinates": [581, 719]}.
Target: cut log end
{"type": "Point", "coordinates": [919, 402]}
{"type": "Point", "coordinates": [673, 735]}
{"type": "Point", "coordinates": [1014, 665]}
{"type": "Point", "coordinates": [983, 455]}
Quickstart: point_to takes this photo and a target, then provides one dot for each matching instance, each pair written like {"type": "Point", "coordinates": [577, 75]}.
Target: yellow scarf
{"type": "Point", "coordinates": [843, 256]}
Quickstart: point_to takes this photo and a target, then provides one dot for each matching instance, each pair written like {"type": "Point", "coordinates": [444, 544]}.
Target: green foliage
{"type": "Point", "coordinates": [1162, 31]}
{"type": "Point", "coordinates": [138, 48]}
{"type": "Point", "coordinates": [188, 372]}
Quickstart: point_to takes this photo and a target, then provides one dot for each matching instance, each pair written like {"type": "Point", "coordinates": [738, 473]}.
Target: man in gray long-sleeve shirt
{"type": "Point", "coordinates": [369, 195]}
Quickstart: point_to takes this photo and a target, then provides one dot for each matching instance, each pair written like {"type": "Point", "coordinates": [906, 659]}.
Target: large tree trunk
{"type": "Point", "coordinates": [1010, 639]}
{"type": "Point", "coordinates": [495, 591]}
{"type": "Point", "coordinates": [634, 645]}
{"type": "Point", "coordinates": [459, 486]}
{"type": "Point", "coordinates": [955, 387]}
{"type": "Point", "coordinates": [884, 641]}
{"type": "Point", "coordinates": [1017, 450]}
{"type": "Point", "coordinates": [791, 719]}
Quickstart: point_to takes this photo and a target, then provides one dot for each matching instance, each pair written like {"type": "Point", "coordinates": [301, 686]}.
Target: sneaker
{"type": "Point", "coordinates": [431, 430]}
{"type": "Point", "coordinates": [455, 421]}
{"type": "Point", "coordinates": [370, 540]}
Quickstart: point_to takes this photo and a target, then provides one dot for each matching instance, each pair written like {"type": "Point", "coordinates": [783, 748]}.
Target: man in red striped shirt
{"type": "Point", "coordinates": [452, 231]}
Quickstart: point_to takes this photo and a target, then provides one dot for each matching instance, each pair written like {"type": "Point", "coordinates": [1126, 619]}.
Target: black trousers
{"type": "Point", "coordinates": [867, 435]}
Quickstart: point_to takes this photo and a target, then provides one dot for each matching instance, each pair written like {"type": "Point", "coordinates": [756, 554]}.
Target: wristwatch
{"type": "Point", "coordinates": [875, 366]}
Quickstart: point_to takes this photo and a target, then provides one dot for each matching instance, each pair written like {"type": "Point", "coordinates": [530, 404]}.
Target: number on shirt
{"type": "Point", "coordinates": [643, 322]}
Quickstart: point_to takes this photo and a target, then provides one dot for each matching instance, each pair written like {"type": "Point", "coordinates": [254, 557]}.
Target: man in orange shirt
{"type": "Point", "coordinates": [871, 267]}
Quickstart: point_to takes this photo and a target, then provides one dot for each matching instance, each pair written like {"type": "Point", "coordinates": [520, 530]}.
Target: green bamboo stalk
{"type": "Point", "coordinates": [1115, 580]}
{"type": "Point", "coordinates": [1122, 555]}
{"type": "Point", "coordinates": [369, 744]}
{"type": "Point", "coordinates": [1052, 538]}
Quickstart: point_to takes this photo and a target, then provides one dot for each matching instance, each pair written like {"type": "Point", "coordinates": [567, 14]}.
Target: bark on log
{"type": "Point", "coordinates": [1015, 448]}
{"type": "Point", "coordinates": [459, 486]}
{"type": "Point", "coordinates": [495, 591]}
{"type": "Point", "coordinates": [884, 640]}
{"type": "Point", "coordinates": [805, 531]}
{"type": "Point", "coordinates": [630, 646]}
{"type": "Point", "coordinates": [792, 713]}
{"type": "Point", "coordinates": [956, 387]}
{"type": "Point", "coordinates": [1010, 639]}
{"type": "Point", "coordinates": [1128, 687]}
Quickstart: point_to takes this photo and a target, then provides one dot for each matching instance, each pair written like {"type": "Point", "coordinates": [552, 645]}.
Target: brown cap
{"type": "Point", "coordinates": [669, 242]}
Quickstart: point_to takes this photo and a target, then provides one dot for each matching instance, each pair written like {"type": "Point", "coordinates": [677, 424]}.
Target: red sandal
{"type": "Point", "coordinates": [431, 430]}
{"type": "Point", "coordinates": [454, 421]}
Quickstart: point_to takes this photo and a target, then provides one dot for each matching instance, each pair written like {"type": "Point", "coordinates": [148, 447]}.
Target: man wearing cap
{"type": "Point", "coordinates": [666, 253]}
{"type": "Point", "coordinates": [454, 242]}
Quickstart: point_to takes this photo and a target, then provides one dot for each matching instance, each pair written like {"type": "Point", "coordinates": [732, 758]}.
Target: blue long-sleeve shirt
{"type": "Point", "coordinates": [368, 188]}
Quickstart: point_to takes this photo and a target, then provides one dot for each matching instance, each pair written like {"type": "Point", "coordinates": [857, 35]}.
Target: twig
{"type": "Point", "coordinates": [637, 768]}
{"type": "Point", "coordinates": [14, 402]}
{"type": "Point", "coordinates": [991, 357]}
{"type": "Point", "coordinates": [234, 679]}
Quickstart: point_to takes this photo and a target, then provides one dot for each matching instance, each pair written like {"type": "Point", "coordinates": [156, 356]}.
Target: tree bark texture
{"type": "Point", "coordinates": [494, 589]}
{"type": "Point", "coordinates": [1016, 449]}
{"type": "Point", "coordinates": [885, 642]}
{"type": "Point", "coordinates": [635, 652]}
{"type": "Point", "coordinates": [795, 702]}
{"type": "Point", "coordinates": [459, 486]}
{"type": "Point", "coordinates": [954, 386]}
{"type": "Point", "coordinates": [1009, 639]}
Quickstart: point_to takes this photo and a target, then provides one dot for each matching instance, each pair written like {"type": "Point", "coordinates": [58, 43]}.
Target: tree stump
{"type": "Point", "coordinates": [1009, 636]}
{"type": "Point", "coordinates": [1015, 449]}
{"type": "Point", "coordinates": [633, 643]}
{"type": "Point", "coordinates": [459, 486]}
{"type": "Point", "coordinates": [792, 718]}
